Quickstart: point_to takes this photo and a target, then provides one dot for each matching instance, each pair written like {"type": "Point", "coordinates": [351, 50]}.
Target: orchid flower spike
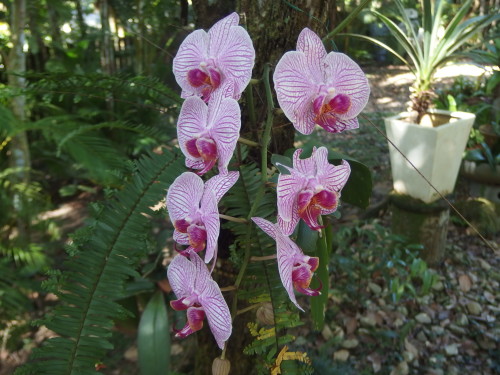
{"type": "Point", "coordinates": [207, 133]}
{"type": "Point", "coordinates": [311, 189]}
{"type": "Point", "coordinates": [200, 295]}
{"type": "Point", "coordinates": [192, 206]}
{"type": "Point", "coordinates": [313, 87]}
{"type": "Point", "coordinates": [205, 61]}
{"type": "Point", "coordinates": [295, 268]}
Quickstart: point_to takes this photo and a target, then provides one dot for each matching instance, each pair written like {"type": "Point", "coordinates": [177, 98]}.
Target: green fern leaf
{"type": "Point", "coordinates": [94, 278]}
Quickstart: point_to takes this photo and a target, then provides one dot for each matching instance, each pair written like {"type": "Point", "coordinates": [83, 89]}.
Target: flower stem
{"type": "Point", "coordinates": [233, 219]}
{"type": "Point", "coordinates": [251, 106]}
{"type": "Point", "coordinates": [248, 142]}
{"type": "Point", "coordinates": [249, 308]}
{"type": "Point", "coordinates": [260, 259]}
{"type": "Point", "coordinates": [228, 288]}
{"type": "Point", "coordinates": [266, 135]}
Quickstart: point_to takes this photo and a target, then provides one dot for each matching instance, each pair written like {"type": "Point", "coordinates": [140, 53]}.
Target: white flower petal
{"type": "Point", "coordinates": [181, 274]}
{"type": "Point", "coordinates": [347, 78]}
{"type": "Point", "coordinates": [217, 311]}
{"type": "Point", "coordinates": [295, 90]}
{"type": "Point", "coordinates": [192, 51]}
{"type": "Point", "coordinates": [184, 196]}
{"type": "Point", "coordinates": [220, 184]}
{"type": "Point", "coordinates": [268, 227]}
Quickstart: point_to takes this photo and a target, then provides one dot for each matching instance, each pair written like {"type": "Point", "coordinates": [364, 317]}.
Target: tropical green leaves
{"type": "Point", "coordinates": [94, 278]}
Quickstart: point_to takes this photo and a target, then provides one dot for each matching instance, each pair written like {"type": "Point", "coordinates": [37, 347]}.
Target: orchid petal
{"type": "Point", "coordinates": [212, 223]}
{"type": "Point", "coordinates": [234, 50]}
{"type": "Point", "coordinates": [286, 250]}
{"type": "Point", "coordinates": [181, 238]}
{"type": "Point", "coordinates": [220, 184]}
{"type": "Point", "coordinates": [195, 317]}
{"type": "Point", "coordinates": [181, 274]}
{"type": "Point", "coordinates": [201, 272]}
{"type": "Point", "coordinates": [268, 227]}
{"type": "Point", "coordinates": [295, 87]}
{"type": "Point", "coordinates": [184, 195]}
{"type": "Point", "coordinates": [287, 227]}
{"type": "Point", "coordinates": [347, 78]}
{"type": "Point", "coordinates": [288, 187]}
{"type": "Point", "coordinates": [334, 177]}
{"type": "Point", "coordinates": [178, 304]}
{"type": "Point", "coordinates": [311, 45]}
{"type": "Point", "coordinates": [191, 53]}
{"type": "Point", "coordinates": [305, 166]}
{"type": "Point", "coordinates": [191, 123]}
{"type": "Point", "coordinates": [225, 124]}
{"type": "Point", "coordinates": [349, 124]}
{"type": "Point", "coordinates": [217, 311]}
{"type": "Point", "coordinates": [236, 59]}
{"type": "Point", "coordinates": [220, 31]}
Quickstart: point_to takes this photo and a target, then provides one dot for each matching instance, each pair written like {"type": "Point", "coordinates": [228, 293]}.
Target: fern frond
{"type": "Point", "coordinates": [94, 278]}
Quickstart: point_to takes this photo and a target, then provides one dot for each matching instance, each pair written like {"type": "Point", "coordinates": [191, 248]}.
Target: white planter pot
{"type": "Point", "coordinates": [435, 151]}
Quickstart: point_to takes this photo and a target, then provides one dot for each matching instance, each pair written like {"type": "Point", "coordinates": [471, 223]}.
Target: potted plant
{"type": "Point", "coordinates": [433, 140]}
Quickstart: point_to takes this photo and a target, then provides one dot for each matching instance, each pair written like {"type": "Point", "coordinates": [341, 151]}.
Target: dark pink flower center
{"type": "Point", "coordinates": [327, 112]}
{"type": "Point", "coordinates": [302, 274]}
{"type": "Point", "coordinates": [311, 205]}
{"type": "Point", "coordinates": [195, 317]}
{"type": "Point", "coordinates": [196, 233]}
{"type": "Point", "coordinates": [204, 148]}
{"type": "Point", "coordinates": [207, 78]}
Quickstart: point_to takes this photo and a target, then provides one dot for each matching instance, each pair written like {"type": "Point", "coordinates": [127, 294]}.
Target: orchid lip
{"type": "Point", "coordinates": [197, 236]}
{"type": "Point", "coordinates": [195, 317]}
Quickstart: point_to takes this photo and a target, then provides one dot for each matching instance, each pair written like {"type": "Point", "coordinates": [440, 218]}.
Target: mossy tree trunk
{"type": "Point", "coordinates": [274, 27]}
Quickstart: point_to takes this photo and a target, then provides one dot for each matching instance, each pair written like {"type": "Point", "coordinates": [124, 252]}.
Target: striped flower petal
{"type": "Point", "coordinates": [217, 311]}
{"type": "Point", "coordinates": [295, 89]}
{"type": "Point", "coordinates": [347, 78]}
{"type": "Point", "coordinates": [184, 195]}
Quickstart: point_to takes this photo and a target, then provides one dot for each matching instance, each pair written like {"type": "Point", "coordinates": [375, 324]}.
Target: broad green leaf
{"type": "Point", "coordinates": [358, 188]}
{"type": "Point", "coordinates": [153, 338]}
{"type": "Point", "coordinates": [279, 161]}
{"type": "Point", "coordinates": [306, 237]}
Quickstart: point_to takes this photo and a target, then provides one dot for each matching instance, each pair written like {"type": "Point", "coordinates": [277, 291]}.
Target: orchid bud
{"type": "Point", "coordinates": [265, 314]}
{"type": "Point", "coordinates": [221, 366]}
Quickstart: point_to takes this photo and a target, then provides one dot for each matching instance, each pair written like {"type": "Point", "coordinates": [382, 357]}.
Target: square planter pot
{"type": "Point", "coordinates": [435, 151]}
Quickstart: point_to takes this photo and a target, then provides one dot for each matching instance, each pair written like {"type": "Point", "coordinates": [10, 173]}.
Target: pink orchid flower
{"type": "Point", "coordinates": [311, 189]}
{"type": "Point", "coordinates": [205, 61]}
{"type": "Point", "coordinates": [207, 133]}
{"type": "Point", "coordinates": [314, 87]}
{"type": "Point", "coordinates": [295, 268]}
{"type": "Point", "coordinates": [200, 295]}
{"type": "Point", "coordinates": [192, 206]}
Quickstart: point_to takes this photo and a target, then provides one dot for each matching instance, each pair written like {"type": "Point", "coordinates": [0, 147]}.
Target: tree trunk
{"type": "Point", "coordinates": [19, 154]}
{"type": "Point", "coordinates": [55, 29]}
{"type": "Point", "coordinates": [80, 20]}
{"type": "Point", "coordinates": [274, 27]}
{"type": "Point", "coordinates": [107, 50]}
